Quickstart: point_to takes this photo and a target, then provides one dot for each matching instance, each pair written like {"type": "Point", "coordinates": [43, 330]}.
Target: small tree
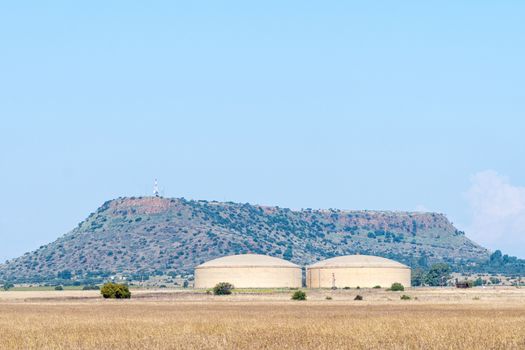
{"type": "Point", "coordinates": [397, 287]}
{"type": "Point", "coordinates": [495, 280]}
{"type": "Point", "coordinates": [223, 288]}
{"type": "Point", "coordinates": [299, 295]}
{"type": "Point", "coordinates": [8, 285]}
{"type": "Point", "coordinates": [115, 291]}
{"type": "Point", "coordinates": [437, 275]}
{"type": "Point", "coordinates": [418, 277]}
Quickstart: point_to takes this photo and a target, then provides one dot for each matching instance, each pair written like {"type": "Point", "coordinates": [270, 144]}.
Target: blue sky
{"type": "Point", "coordinates": [374, 105]}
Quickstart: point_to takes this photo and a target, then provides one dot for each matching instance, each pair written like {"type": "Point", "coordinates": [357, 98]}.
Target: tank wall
{"type": "Point", "coordinates": [249, 277]}
{"type": "Point", "coordinates": [356, 277]}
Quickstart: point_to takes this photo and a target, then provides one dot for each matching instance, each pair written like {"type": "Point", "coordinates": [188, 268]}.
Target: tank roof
{"type": "Point", "coordinates": [247, 260]}
{"type": "Point", "coordinates": [358, 261]}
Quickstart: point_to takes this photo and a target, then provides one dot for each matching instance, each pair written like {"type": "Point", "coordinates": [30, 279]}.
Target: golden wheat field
{"type": "Point", "coordinates": [438, 319]}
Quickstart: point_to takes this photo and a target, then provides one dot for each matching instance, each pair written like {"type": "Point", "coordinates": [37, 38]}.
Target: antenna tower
{"type": "Point", "coordinates": [156, 189]}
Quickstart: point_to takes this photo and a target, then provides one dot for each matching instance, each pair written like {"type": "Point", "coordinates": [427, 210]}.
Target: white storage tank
{"type": "Point", "coordinates": [365, 271]}
{"type": "Point", "coordinates": [249, 271]}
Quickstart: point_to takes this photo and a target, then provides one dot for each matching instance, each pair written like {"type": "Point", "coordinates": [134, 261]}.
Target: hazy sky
{"type": "Point", "coordinates": [405, 105]}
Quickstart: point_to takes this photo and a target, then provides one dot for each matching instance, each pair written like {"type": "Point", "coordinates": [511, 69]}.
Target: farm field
{"type": "Point", "coordinates": [181, 319]}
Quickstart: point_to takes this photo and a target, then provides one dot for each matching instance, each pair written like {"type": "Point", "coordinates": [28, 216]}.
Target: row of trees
{"type": "Point", "coordinates": [498, 263]}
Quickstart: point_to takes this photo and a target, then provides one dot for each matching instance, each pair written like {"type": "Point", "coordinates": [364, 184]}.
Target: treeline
{"type": "Point", "coordinates": [438, 274]}
{"type": "Point", "coordinates": [423, 271]}
{"type": "Point", "coordinates": [79, 278]}
{"type": "Point", "coordinates": [498, 263]}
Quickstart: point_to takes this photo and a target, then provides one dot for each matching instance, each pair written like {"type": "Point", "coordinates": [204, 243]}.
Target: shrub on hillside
{"type": "Point", "coordinates": [377, 287]}
{"type": "Point", "coordinates": [397, 287]}
{"type": "Point", "coordinates": [299, 295]}
{"type": "Point", "coordinates": [358, 297]}
{"type": "Point", "coordinates": [115, 291]}
{"type": "Point", "coordinates": [405, 297]}
{"type": "Point", "coordinates": [223, 288]}
{"type": "Point", "coordinates": [59, 288]}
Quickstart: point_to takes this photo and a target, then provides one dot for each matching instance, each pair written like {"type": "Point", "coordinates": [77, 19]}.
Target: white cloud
{"type": "Point", "coordinates": [498, 213]}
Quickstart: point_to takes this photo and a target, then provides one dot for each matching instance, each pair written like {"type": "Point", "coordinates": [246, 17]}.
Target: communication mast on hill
{"type": "Point", "coordinates": [156, 189]}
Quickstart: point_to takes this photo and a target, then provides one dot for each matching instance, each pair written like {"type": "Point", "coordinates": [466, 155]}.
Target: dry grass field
{"type": "Point", "coordinates": [438, 319]}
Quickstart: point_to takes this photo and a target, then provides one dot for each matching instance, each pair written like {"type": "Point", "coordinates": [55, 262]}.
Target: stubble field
{"type": "Point", "coordinates": [438, 319]}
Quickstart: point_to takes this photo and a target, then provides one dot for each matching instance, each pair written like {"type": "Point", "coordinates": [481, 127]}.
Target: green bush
{"type": "Point", "coordinates": [328, 298]}
{"type": "Point", "coordinates": [377, 287]}
{"type": "Point", "coordinates": [405, 297]}
{"type": "Point", "coordinates": [115, 291]}
{"type": "Point", "coordinates": [469, 283]}
{"type": "Point", "coordinates": [397, 287]}
{"type": "Point", "coordinates": [8, 285]}
{"type": "Point", "coordinates": [495, 280]}
{"type": "Point", "coordinates": [299, 295]}
{"type": "Point", "coordinates": [358, 297]}
{"type": "Point", "coordinates": [90, 287]}
{"type": "Point", "coordinates": [59, 288]}
{"type": "Point", "coordinates": [223, 288]}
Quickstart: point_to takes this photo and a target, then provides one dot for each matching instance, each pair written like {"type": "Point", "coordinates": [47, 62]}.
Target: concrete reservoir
{"type": "Point", "coordinates": [353, 271]}
{"type": "Point", "coordinates": [249, 271]}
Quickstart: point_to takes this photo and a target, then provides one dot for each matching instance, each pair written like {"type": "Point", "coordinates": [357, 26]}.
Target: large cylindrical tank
{"type": "Point", "coordinates": [249, 271]}
{"type": "Point", "coordinates": [353, 271]}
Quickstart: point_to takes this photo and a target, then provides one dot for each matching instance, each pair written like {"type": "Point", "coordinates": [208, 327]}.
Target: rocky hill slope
{"type": "Point", "coordinates": [150, 234]}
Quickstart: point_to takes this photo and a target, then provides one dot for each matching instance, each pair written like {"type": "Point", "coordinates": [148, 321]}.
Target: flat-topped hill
{"type": "Point", "coordinates": [148, 234]}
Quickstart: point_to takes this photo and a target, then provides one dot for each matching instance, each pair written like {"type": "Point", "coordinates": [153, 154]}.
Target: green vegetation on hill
{"type": "Point", "coordinates": [141, 237]}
